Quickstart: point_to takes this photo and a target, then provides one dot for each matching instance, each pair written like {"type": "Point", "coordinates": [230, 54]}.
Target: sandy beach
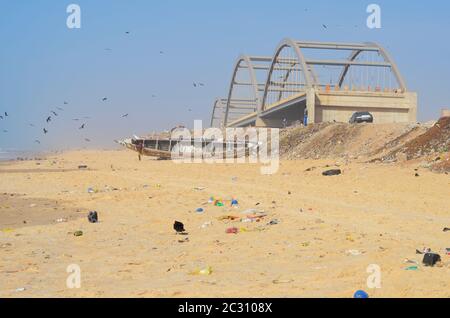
{"type": "Point", "coordinates": [325, 234]}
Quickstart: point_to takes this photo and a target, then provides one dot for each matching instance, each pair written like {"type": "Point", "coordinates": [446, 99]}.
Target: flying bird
{"type": "Point", "coordinates": [5, 131]}
{"type": "Point", "coordinates": [87, 140]}
{"type": "Point", "coordinates": [31, 125]}
{"type": "Point", "coordinates": [1, 117]}
{"type": "Point", "coordinates": [325, 26]}
{"type": "Point", "coordinates": [126, 115]}
{"type": "Point", "coordinates": [37, 141]}
{"type": "Point", "coordinates": [82, 126]}
{"type": "Point", "coordinates": [45, 131]}
{"type": "Point", "coordinates": [59, 108]}
{"type": "Point", "coordinates": [49, 119]}
{"type": "Point", "coordinates": [104, 99]}
{"type": "Point", "coordinates": [66, 103]}
{"type": "Point", "coordinates": [179, 227]}
{"type": "Point", "coordinates": [6, 114]}
{"type": "Point", "coordinates": [127, 32]}
{"type": "Point", "coordinates": [54, 113]}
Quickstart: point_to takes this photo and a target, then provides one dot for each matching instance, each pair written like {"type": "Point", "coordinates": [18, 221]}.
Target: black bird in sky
{"type": "Point", "coordinates": [1, 117]}
{"type": "Point", "coordinates": [45, 131]}
{"type": "Point", "coordinates": [127, 32]}
{"type": "Point", "coordinates": [324, 26]}
{"type": "Point", "coordinates": [126, 115]}
{"type": "Point", "coordinates": [5, 131]}
{"type": "Point", "coordinates": [87, 140]}
{"type": "Point", "coordinates": [59, 108]}
{"type": "Point", "coordinates": [6, 114]}
{"type": "Point", "coordinates": [82, 126]}
{"type": "Point", "coordinates": [54, 113]}
{"type": "Point", "coordinates": [37, 141]}
{"type": "Point", "coordinates": [104, 99]}
{"type": "Point", "coordinates": [66, 103]}
{"type": "Point", "coordinates": [31, 125]}
{"type": "Point", "coordinates": [49, 119]}
{"type": "Point", "coordinates": [179, 227]}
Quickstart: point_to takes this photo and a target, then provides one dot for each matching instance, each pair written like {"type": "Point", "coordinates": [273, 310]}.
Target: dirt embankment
{"type": "Point", "coordinates": [370, 142]}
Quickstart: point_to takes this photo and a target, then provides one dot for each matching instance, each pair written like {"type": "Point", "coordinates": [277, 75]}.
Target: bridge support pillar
{"type": "Point", "coordinates": [311, 105]}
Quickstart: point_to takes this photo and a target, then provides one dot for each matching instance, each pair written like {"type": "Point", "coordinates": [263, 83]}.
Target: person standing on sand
{"type": "Point", "coordinates": [140, 149]}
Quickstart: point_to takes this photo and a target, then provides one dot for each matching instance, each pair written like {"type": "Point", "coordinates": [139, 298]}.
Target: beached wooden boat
{"type": "Point", "coordinates": [165, 148]}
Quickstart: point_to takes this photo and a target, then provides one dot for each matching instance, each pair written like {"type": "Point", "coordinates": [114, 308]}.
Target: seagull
{"type": "Point", "coordinates": [194, 84]}
{"type": "Point", "coordinates": [31, 125]}
{"type": "Point", "coordinates": [104, 99]}
{"type": "Point", "coordinates": [5, 131]}
{"type": "Point", "coordinates": [126, 115]}
{"type": "Point", "coordinates": [59, 108]}
{"type": "Point", "coordinates": [6, 114]}
{"type": "Point", "coordinates": [82, 126]}
{"type": "Point", "coordinates": [45, 131]}
{"type": "Point", "coordinates": [1, 117]}
{"type": "Point", "coordinates": [87, 140]}
{"type": "Point", "coordinates": [127, 32]}
{"type": "Point", "coordinates": [201, 84]}
{"type": "Point", "coordinates": [154, 96]}
{"type": "Point", "coordinates": [161, 52]}
{"type": "Point", "coordinates": [66, 103]}
{"type": "Point", "coordinates": [49, 119]}
{"type": "Point", "coordinates": [75, 119]}
{"type": "Point", "coordinates": [37, 141]}
{"type": "Point", "coordinates": [54, 113]}
{"type": "Point", "coordinates": [324, 26]}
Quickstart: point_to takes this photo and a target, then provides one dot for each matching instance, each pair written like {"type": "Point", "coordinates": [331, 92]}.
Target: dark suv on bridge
{"type": "Point", "coordinates": [361, 117]}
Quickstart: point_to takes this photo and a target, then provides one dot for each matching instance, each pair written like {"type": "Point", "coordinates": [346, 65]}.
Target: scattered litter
{"type": "Point", "coordinates": [93, 217]}
{"type": "Point", "coordinates": [447, 251]}
{"type": "Point", "coordinates": [361, 294]}
{"type": "Point", "coordinates": [232, 230]}
{"type": "Point", "coordinates": [282, 281]}
{"type": "Point", "coordinates": [91, 190]}
{"type": "Point", "coordinates": [21, 289]}
{"type": "Point", "coordinates": [228, 218]}
{"type": "Point", "coordinates": [179, 227]}
{"type": "Point", "coordinates": [199, 188]}
{"type": "Point", "coordinates": [78, 233]}
{"type": "Point", "coordinates": [234, 179]}
{"type": "Point", "coordinates": [273, 222]}
{"type": "Point", "coordinates": [354, 252]}
{"type": "Point", "coordinates": [412, 268]}
{"type": "Point", "coordinates": [410, 261]}
{"type": "Point", "coordinates": [204, 272]}
{"type": "Point", "coordinates": [234, 203]}
{"type": "Point", "coordinates": [333, 172]}
{"type": "Point", "coordinates": [306, 244]}
{"type": "Point", "coordinates": [186, 240]}
{"type": "Point", "coordinates": [253, 211]}
{"type": "Point", "coordinates": [446, 229]}
{"type": "Point", "coordinates": [200, 210]}
{"type": "Point", "coordinates": [211, 200]}
{"type": "Point", "coordinates": [61, 220]}
{"type": "Point", "coordinates": [82, 167]}
{"type": "Point", "coordinates": [219, 203]}
{"type": "Point", "coordinates": [206, 224]}
{"type": "Point", "coordinates": [32, 205]}
{"type": "Point", "coordinates": [431, 259]}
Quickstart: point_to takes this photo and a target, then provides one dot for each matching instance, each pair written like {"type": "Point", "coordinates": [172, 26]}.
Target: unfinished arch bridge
{"type": "Point", "coordinates": [324, 81]}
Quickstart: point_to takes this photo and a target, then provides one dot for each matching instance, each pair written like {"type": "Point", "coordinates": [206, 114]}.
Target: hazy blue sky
{"type": "Point", "coordinates": [43, 63]}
